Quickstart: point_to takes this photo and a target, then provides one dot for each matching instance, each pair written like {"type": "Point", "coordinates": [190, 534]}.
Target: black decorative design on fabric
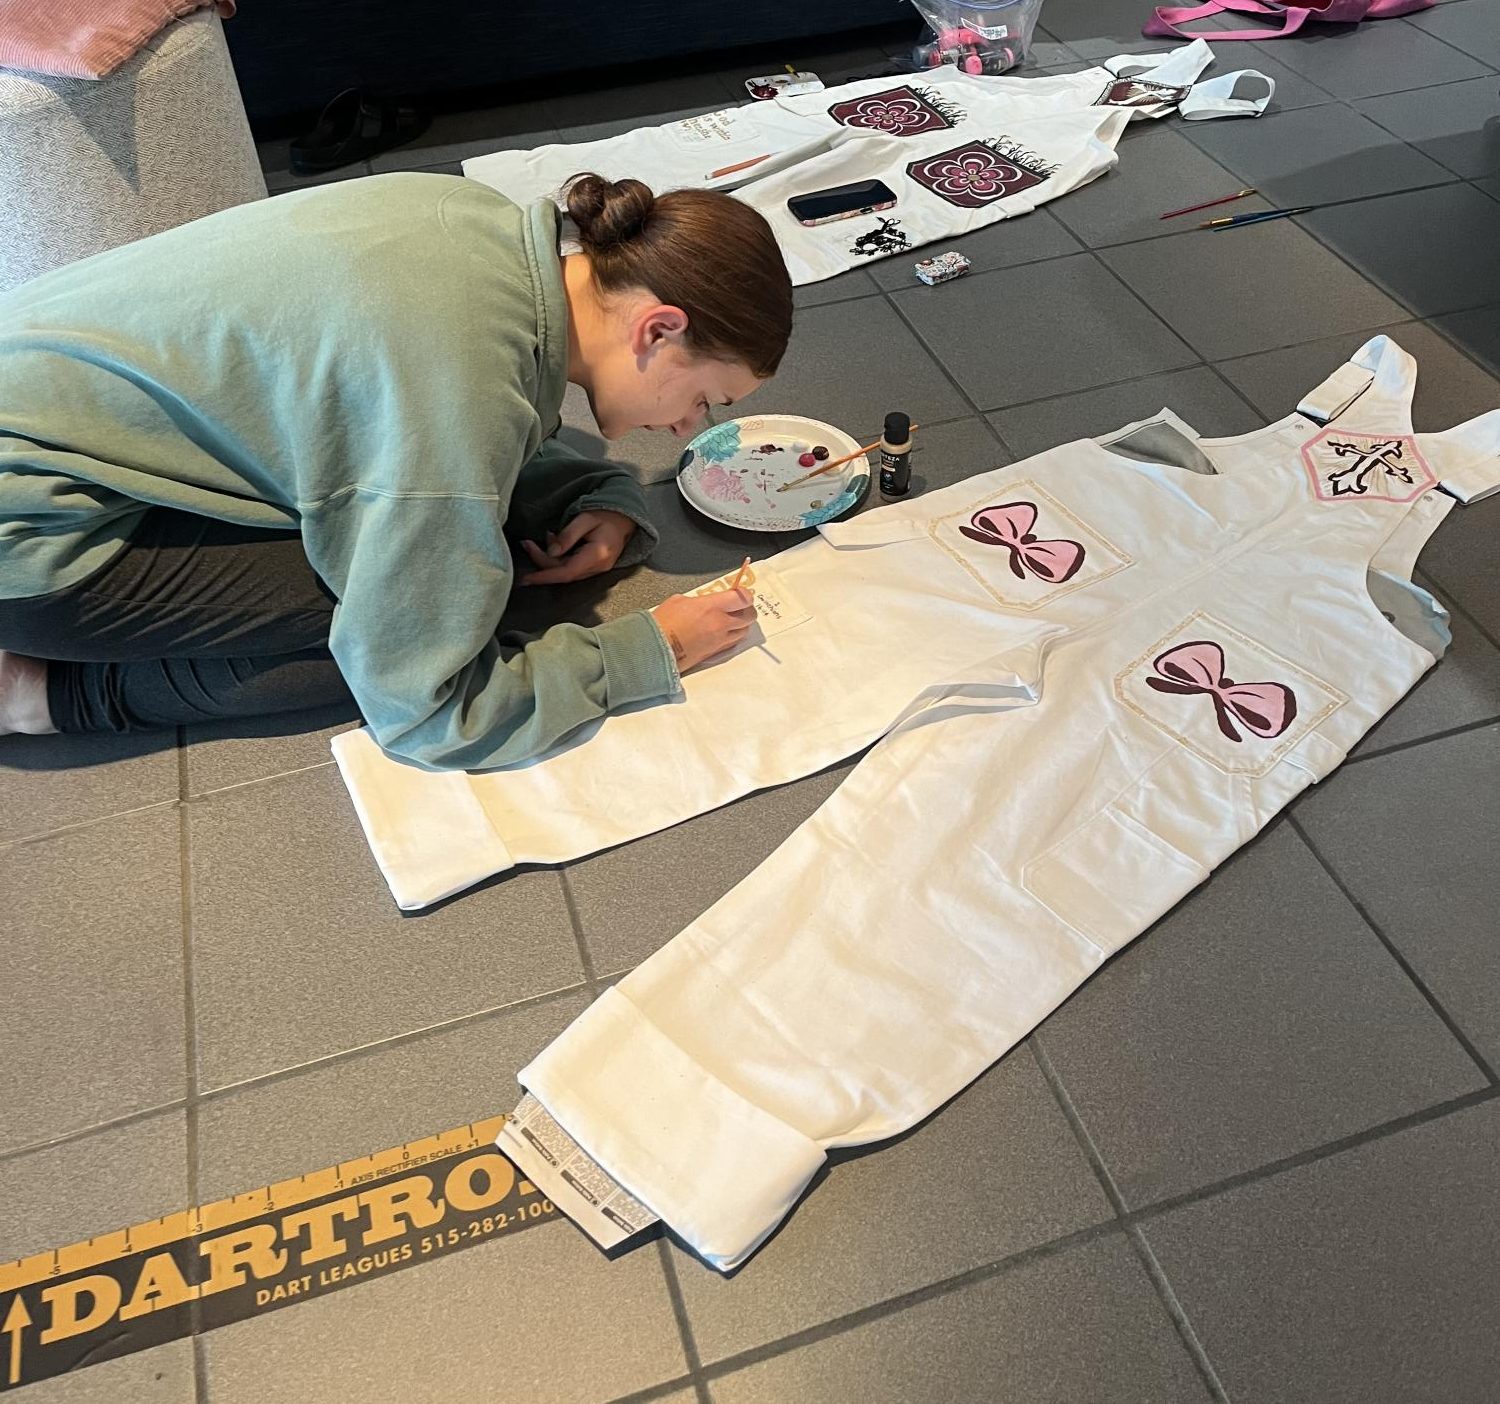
{"type": "Point", "coordinates": [1384, 454]}
{"type": "Point", "coordinates": [886, 238]}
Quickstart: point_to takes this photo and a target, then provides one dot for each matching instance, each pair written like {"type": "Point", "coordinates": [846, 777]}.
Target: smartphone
{"type": "Point", "coordinates": [841, 202]}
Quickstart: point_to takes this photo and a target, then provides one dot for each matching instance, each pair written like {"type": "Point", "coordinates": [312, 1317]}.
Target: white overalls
{"type": "Point", "coordinates": [958, 152]}
{"type": "Point", "coordinates": [1207, 626]}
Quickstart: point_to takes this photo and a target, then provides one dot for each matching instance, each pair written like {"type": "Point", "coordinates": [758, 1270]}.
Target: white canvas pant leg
{"type": "Point", "coordinates": [885, 636]}
{"type": "Point", "coordinates": [813, 1006]}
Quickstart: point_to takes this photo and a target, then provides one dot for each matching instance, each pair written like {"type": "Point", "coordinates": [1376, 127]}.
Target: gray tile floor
{"type": "Point", "coordinates": [1253, 1160]}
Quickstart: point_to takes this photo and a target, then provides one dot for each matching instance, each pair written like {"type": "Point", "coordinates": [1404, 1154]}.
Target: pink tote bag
{"type": "Point", "coordinates": [1168, 19]}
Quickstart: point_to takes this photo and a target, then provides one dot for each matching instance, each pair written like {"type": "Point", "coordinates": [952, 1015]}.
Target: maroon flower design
{"type": "Point", "coordinates": [899, 111]}
{"type": "Point", "coordinates": [973, 176]}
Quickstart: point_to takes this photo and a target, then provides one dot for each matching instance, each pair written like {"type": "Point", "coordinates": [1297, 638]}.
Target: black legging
{"type": "Point", "coordinates": [193, 620]}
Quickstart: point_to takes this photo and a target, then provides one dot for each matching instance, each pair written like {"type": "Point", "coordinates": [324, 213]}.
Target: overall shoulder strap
{"type": "Point", "coordinates": [1372, 390]}
{"type": "Point", "coordinates": [1466, 458]}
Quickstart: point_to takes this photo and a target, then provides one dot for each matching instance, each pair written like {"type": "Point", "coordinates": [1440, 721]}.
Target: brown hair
{"type": "Point", "coordinates": [699, 250]}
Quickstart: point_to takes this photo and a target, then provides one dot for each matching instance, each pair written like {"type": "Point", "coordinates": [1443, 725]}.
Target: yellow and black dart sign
{"type": "Point", "coordinates": [203, 1268]}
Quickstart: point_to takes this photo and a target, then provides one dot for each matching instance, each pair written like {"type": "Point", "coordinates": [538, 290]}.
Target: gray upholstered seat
{"type": "Point", "coordinates": [87, 165]}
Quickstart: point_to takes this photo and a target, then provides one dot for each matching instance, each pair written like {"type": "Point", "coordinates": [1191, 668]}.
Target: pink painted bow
{"type": "Point", "coordinates": [1265, 708]}
{"type": "Point", "coordinates": [1010, 525]}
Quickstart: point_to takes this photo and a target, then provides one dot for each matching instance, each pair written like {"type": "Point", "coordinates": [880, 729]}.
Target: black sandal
{"type": "Point", "coordinates": [354, 127]}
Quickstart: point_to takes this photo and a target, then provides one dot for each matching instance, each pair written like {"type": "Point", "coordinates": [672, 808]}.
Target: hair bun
{"type": "Point", "coordinates": [608, 212]}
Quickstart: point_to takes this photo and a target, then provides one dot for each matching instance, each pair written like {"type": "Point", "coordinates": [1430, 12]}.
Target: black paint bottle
{"type": "Point", "coordinates": [895, 456]}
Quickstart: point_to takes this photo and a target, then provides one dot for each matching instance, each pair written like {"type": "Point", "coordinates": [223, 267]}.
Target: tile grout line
{"type": "Point", "coordinates": [1356, 1140]}
{"type": "Point", "coordinates": [1081, 1237]}
{"type": "Point", "coordinates": [1473, 58]}
{"type": "Point", "coordinates": [932, 355]}
{"type": "Point", "coordinates": [1438, 329]}
{"type": "Point", "coordinates": [1201, 359]}
{"type": "Point", "coordinates": [1475, 182]}
{"type": "Point", "coordinates": [585, 957]}
{"type": "Point", "coordinates": [917, 1296]}
{"type": "Point", "coordinates": [1163, 1288]}
{"type": "Point", "coordinates": [981, 415]}
{"type": "Point", "coordinates": [1456, 604]}
{"type": "Point", "coordinates": [1081, 1132]}
{"type": "Point", "coordinates": [1259, 51]}
{"type": "Point", "coordinates": [1416, 315]}
{"type": "Point", "coordinates": [1405, 965]}
{"type": "Point", "coordinates": [195, 795]}
{"type": "Point", "coordinates": [1399, 746]}
{"type": "Point", "coordinates": [1397, 135]}
{"type": "Point", "coordinates": [68, 1138]}
{"type": "Point", "coordinates": [98, 819]}
{"type": "Point", "coordinates": [1371, 97]}
{"type": "Point", "coordinates": [665, 1389]}
{"type": "Point", "coordinates": [312, 1065]}
{"type": "Point", "coordinates": [190, 1041]}
{"type": "Point", "coordinates": [1399, 324]}
{"type": "Point", "coordinates": [690, 1352]}
{"type": "Point", "coordinates": [1213, 367]}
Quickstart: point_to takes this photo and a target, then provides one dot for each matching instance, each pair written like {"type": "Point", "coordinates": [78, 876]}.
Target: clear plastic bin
{"type": "Point", "coordinates": [977, 36]}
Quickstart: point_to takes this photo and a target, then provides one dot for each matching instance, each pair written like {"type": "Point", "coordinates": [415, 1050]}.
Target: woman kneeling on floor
{"type": "Point", "coordinates": [294, 451]}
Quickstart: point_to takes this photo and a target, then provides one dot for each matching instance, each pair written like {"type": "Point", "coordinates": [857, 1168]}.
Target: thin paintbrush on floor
{"type": "Point", "coordinates": [1234, 221]}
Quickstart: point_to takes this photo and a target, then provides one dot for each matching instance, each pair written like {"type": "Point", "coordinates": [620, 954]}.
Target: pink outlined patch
{"type": "Point", "coordinates": [1349, 465]}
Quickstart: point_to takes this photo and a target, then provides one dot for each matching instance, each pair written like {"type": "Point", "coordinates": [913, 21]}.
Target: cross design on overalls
{"type": "Point", "coordinates": [1355, 479]}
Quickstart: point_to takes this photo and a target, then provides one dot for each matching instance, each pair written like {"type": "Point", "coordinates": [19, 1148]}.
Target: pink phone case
{"type": "Point", "coordinates": [847, 214]}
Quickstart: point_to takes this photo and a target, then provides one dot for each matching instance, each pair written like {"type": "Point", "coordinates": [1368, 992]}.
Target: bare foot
{"type": "Point", "coordinates": [23, 695]}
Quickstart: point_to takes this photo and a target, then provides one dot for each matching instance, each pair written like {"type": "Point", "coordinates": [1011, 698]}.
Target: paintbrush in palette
{"type": "Point", "coordinates": [835, 463]}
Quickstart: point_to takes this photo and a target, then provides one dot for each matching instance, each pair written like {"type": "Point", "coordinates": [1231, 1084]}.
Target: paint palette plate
{"type": "Point", "coordinates": [731, 473]}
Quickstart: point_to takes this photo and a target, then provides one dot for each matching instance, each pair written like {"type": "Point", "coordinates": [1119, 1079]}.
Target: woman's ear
{"type": "Point", "coordinates": [655, 324]}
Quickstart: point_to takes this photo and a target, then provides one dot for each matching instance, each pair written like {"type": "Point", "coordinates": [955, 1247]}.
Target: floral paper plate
{"type": "Point", "coordinates": [731, 473]}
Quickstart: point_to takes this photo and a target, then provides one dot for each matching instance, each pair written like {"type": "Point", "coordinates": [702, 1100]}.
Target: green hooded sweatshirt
{"type": "Point", "coordinates": [378, 363]}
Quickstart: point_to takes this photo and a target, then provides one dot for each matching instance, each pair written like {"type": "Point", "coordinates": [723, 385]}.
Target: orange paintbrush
{"type": "Point", "coordinates": [835, 463]}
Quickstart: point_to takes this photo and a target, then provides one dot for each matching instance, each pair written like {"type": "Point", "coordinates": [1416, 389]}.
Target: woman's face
{"type": "Point", "coordinates": [648, 378]}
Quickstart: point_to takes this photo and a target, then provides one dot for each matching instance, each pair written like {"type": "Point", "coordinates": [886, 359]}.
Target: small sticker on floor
{"type": "Point", "coordinates": [202, 1268]}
